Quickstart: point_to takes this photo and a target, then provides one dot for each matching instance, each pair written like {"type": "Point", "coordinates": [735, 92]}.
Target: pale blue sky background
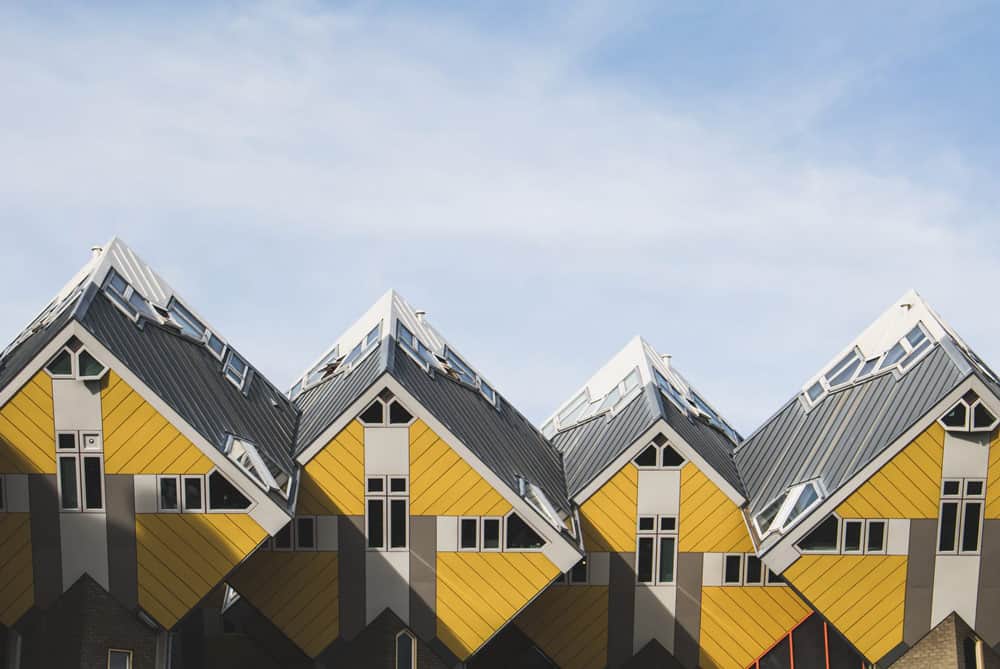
{"type": "Point", "coordinates": [746, 184]}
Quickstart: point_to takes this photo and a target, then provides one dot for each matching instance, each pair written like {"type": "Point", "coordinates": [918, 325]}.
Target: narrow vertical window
{"type": "Point", "coordinates": [168, 493]}
{"type": "Point", "coordinates": [397, 523]}
{"type": "Point", "coordinates": [119, 659]}
{"type": "Point", "coordinates": [93, 480]}
{"type": "Point", "coordinates": [468, 530]}
{"type": "Point", "coordinates": [972, 517]}
{"type": "Point", "coordinates": [376, 523]}
{"type": "Point", "coordinates": [491, 534]}
{"type": "Point", "coordinates": [948, 527]}
{"type": "Point", "coordinates": [578, 574]}
{"type": "Point", "coordinates": [69, 495]}
{"type": "Point", "coordinates": [644, 560]}
{"type": "Point", "coordinates": [667, 546]}
{"type": "Point", "coordinates": [876, 536]}
{"type": "Point", "coordinates": [283, 539]}
{"type": "Point", "coordinates": [305, 533]}
{"type": "Point", "coordinates": [755, 571]}
{"type": "Point", "coordinates": [852, 535]}
{"type": "Point", "coordinates": [193, 498]}
{"type": "Point", "coordinates": [406, 657]}
{"type": "Point", "coordinates": [732, 569]}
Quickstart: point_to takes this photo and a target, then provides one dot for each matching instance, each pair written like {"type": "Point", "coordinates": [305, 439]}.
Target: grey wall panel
{"type": "Point", "coordinates": [919, 579]}
{"type": "Point", "coordinates": [688, 623]}
{"type": "Point", "coordinates": [988, 609]}
{"type": "Point", "coordinates": [122, 565]}
{"type": "Point", "coordinates": [46, 550]}
{"type": "Point", "coordinates": [621, 608]}
{"type": "Point", "coordinates": [351, 575]}
{"type": "Point", "coordinates": [423, 570]}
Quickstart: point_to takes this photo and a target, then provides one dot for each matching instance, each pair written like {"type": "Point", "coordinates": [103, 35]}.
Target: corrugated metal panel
{"type": "Point", "coordinates": [16, 360]}
{"type": "Point", "coordinates": [845, 432]}
{"type": "Point", "coordinates": [189, 379]}
{"type": "Point", "coordinates": [501, 437]}
{"type": "Point", "coordinates": [322, 405]}
{"type": "Point", "coordinates": [589, 447]}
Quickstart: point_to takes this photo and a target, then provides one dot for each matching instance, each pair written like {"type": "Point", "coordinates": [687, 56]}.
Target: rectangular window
{"type": "Point", "coordinates": [468, 534]}
{"type": "Point", "coordinates": [66, 441]}
{"type": "Point", "coordinates": [644, 560]}
{"type": "Point", "coordinates": [948, 527]}
{"type": "Point", "coordinates": [666, 571]}
{"type": "Point", "coordinates": [376, 523]}
{"type": "Point", "coordinates": [853, 529]}
{"type": "Point", "coordinates": [283, 539]}
{"type": "Point", "coordinates": [876, 536]}
{"type": "Point", "coordinates": [961, 517]}
{"type": "Point", "coordinates": [69, 491]}
{"type": "Point", "coordinates": [660, 549]}
{"type": "Point", "coordinates": [972, 515]}
{"type": "Point", "coordinates": [119, 659]}
{"type": "Point", "coordinates": [397, 523]}
{"type": "Point", "coordinates": [397, 485]}
{"type": "Point", "coordinates": [754, 571]}
{"type": "Point", "coordinates": [168, 494]}
{"type": "Point", "coordinates": [235, 369]}
{"type": "Point", "coordinates": [376, 484]}
{"type": "Point", "coordinates": [193, 498]}
{"type": "Point", "coordinates": [491, 534]}
{"type": "Point", "coordinates": [93, 483]}
{"type": "Point", "coordinates": [732, 569]}
{"type": "Point", "coordinates": [578, 574]}
{"type": "Point", "coordinates": [774, 579]}
{"type": "Point", "coordinates": [305, 533]}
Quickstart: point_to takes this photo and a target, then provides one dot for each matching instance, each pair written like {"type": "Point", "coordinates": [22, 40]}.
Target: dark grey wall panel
{"type": "Point", "coordinates": [688, 623]}
{"type": "Point", "coordinates": [919, 579]}
{"type": "Point", "coordinates": [423, 569]}
{"type": "Point", "coordinates": [122, 564]}
{"type": "Point", "coordinates": [46, 551]}
{"type": "Point", "coordinates": [988, 610]}
{"type": "Point", "coordinates": [621, 608]}
{"type": "Point", "coordinates": [351, 575]}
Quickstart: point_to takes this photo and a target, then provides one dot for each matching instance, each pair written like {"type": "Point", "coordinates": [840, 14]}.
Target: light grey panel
{"type": "Point", "coordinates": [621, 608]}
{"type": "Point", "coordinates": [46, 551]}
{"type": "Point", "coordinates": [988, 612]}
{"type": "Point", "coordinates": [84, 540]}
{"type": "Point", "coordinates": [77, 405]}
{"type": "Point", "coordinates": [423, 583]}
{"type": "Point", "coordinates": [351, 566]}
{"type": "Point", "coordinates": [919, 579]}
{"type": "Point", "coordinates": [123, 574]}
{"type": "Point", "coordinates": [688, 612]}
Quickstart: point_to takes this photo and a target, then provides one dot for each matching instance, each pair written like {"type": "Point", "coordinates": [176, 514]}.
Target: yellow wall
{"type": "Point", "coordinates": [181, 557]}
{"type": "Point", "coordinates": [739, 623]}
{"type": "Point", "coordinates": [138, 440]}
{"type": "Point", "coordinates": [27, 429]}
{"type": "Point", "coordinates": [17, 588]}
{"type": "Point", "coordinates": [477, 593]}
{"type": "Point", "coordinates": [608, 516]}
{"type": "Point", "coordinates": [993, 479]}
{"type": "Point", "coordinates": [337, 474]}
{"type": "Point", "coordinates": [443, 484]}
{"type": "Point", "coordinates": [862, 595]}
{"type": "Point", "coordinates": [304, 603]}
{"type": "Point", "coordinates": [709, 521]}
{"type": "Point", "coordinates": [580, 637]}
{"type": "Point", "coordinates": [908, 486]}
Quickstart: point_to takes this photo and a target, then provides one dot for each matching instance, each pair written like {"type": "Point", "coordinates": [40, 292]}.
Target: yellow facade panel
{"type": "Point", "coordinates": [443, 484]}
{"type": "Point", "coordinates": [337, 474]}
{"type": "Point", "coordinates": [709, 521]}
{"type": "Point", "coordinates": [608, 517]}
{"type": "Point", "coordinates": [738, 624]}
{"type": "Point", "coordinates": [862, 595]}
{"type": "Point", "coordinates": [305, 604]}
{"type": "Point", "coordinates": [17, 587]}
{"type": "Point", "coordinates": [477, 593]}
{"type": "Point", "coordinates": [181, 557]}
{"type": "Point", "coordinates": [993, 479]}
{"type": "Point", "coordinates": [908, 486]}
{"type": "Point", "coordinates": [27, 429]}
{"type": "Point", "coordinates": [580, 640]}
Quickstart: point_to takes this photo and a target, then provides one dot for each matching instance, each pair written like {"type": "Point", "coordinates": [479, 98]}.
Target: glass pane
{"type": "Point", "coordinates": [668, 524]}
{"type": "Point", "coordinates": [404, 652]}
{"type": "Point", "coordinates": [373, 414]}
{"type": "Point", "coordinates": [666, 574]}
{"type": "Point", "coordinates": [845, 375]}
{"type": "Point", "coordinates": [373, 335]}
{"type": "Point", "coordinates": [868, 368]}
{"type": "Point", "coordinates": [915, 336]}
{"type": "Point", "coordinates": [66, 441]}
{"type": "Point", "coordinates": [491, 533]}
{"type": "Point", "coordinates": [671, 458]}
{"type": "Point", "coordinates": [520, 534]}
{"type": "Point", "coordinates": [766, 517]}
{"type": "Point", "coordinates": [852, 536]}
{"type": "Point", "coordinates": [578, 574]}
{"type": "Point", "coordinates": [353, 355]}
{"type": "Point", "coordinates": [397, 523]}
{"type": "Point", "coordinates": [376, 523]}
{"type": "Point", "coordinates": [397, 484]}
{"type": "Point", "coordinates": [970, 527]}
{"type": "Point", "coordinates": [305, 532]}
{"type": "Point", "coordinates": [755, 571]}
{"type": "Point", "coordinates": [647, 458]}
{"type": "Point", "coordinates": [846, 360]}
{"type": "Point", "coordinates": [973, 488]}
{"type": "Point", "coordinates": [610, 400]}
{"type": "Point", "coordinates": [487, 391]}
{"type": "Point", "coordinates": [168, 494]}
{"type": "Point", "coordinates": [631, 381]}
{"type": "Point", "coordinates": [61, 365]}
{"type": "Point", "coordinates": [951, 487]}
{"type": "Point", "coordinates": [283, 539]}
{"type": "Point", "coordinates": [774, 578]}
{"type": "Point", "coordinates": [376, 484]}
{"type": "Point", "coordinates": [92, 483]}
{"type": "Point", "coordinates": [914, 354]}
{"type": "Point", "coordinates": [949, 526]}
{"type": "Point", "coordinates": [824, 537]}
{"type": "Point", "coordinates": [807, 498]}
{"type": "Point", "coordinates": [222, 494]}
{"type": "Point", "coordinates": [981, 417]}
{"type": "Point", "coordinates": [647, 523]}
{"type": "Point", "coordinates": [89, 366]}
{"type": "Point", "coordinates": [119, 659]}
{"type": "Point", "coordinates": [216, 345]}
{"type": "Point", "coordinates": [67, 482]}
{"type": "Point", "coordinates": [468, 533]}
{"type": "Point", "coordinates": [398, 415]}
{"type": "Point", "coordinates": [644, 568]}
{"type": "Point", "coordinates": [733, 566]}
{"type": "Point", "coordinates": [815, 390]}
{"type": "Point", "coordinates": [192, 493]}
{"type": "Point", "coordinates": [894, 355]}
{"type": "Point", "coordinates": [876, 536]}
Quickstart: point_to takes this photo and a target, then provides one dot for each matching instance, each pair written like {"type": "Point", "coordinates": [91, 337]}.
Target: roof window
{"type": "Point", "coordinates": [789, 507]}
{"type": "Point", "coordinates": [236, 369]}
{"type": "Point", "coordinates": [122, 294]}
{"type": "Point", "coordinates": [264, 472]}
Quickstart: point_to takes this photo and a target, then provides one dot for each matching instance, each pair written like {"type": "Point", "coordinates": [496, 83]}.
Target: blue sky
{"type": "Point", "coordinates": [747, 185]}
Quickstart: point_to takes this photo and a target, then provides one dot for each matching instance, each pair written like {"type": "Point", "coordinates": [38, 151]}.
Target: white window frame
{"type": "Point", "coordinates": [503, 533]}
{"type": "Point", "coordinates": [386, 498]}
{"type": "Point", "coordinates": [741, 571]}
{"type": "Point", "coordinates": [843, 536]}
{"type": "Point", "coordinates": [828, 551]}
{"type": "Point", "coordinates": [241, 489]}
{"type": "Point", "coordinates": [962, 500]}
{"type": "Point", "coordinates": [72, 364]}
{"type": "Point", "coordinates": [656, 534]}
{"type": "Point", "coordinates": [477, 534]}
{"type": "Point", "coordinates": [204, 493]}
{"type": "Point", "coordinates": [159, 493]}
{"type": "Point", "coordinates": [746, 569]}
{"type": "Point", "coordinates": [783, 521]}
{"type": "Point", "coordinates": [885, 535]}
{"type": "Point", "coordinates": [388, 420]}
{"type": "Point", "coordinates": [80, 455]}
{"type": "Point", "coordinates": [482, 534]}
{"type": "Point", "coordinates": [117, 299]}
{"type": "Point", "coordinates": [120, 650]}
{"type": "Point", "coordinates": [226, 367]}
{"type": "Point", "coordinates": [388, 522]}
{"type": "Point", "coordinates": [297, 538]}
{"type": "Point", "coordinates": [413, 649]}
{"type": "Point", "coordinates": [99, 456]}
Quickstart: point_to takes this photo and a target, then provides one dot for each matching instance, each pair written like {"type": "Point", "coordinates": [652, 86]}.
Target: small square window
{"type": "Point", "coordinates": [397, 485]}
{"type": "Point", "coordinates": [974, 488]}
{"type": "Point", "coordinates": [647, 523]}
{"type": "Point", "coordinates": [376, 484]}
{"type": "Point", "coordinates": [468, 534]}
{"type": "Point", "coordinates": [951, 488]}
{"type": "Point", "coordinates": [66, 441]}
{"type": "Point", "coordinates": [668, 523]}
{"type": "Point", "coordinates": [578, 574]}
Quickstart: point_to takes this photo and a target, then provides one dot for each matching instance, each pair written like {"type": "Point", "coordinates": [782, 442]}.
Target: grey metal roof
{"type": "Point", "coordinates": [590, 446]}
{"type": "Point", "coordinates": [12, 364]}
{"type": "Point", "coordinates": [186, 376]}
{"type": "Point", "coordinates": [845, 431]}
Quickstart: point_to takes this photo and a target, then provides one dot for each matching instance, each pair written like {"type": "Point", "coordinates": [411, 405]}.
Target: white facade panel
{"type": "Point", "coordinates": [77, 405]}
{"type": "Point", "coordinates": [965, 455]}
{"type": "Point", "coordinates": [711, 569]}
{"type": "Point", "coordinates": [84, 542]}
{"type": "Point", "coordinates": [659, 491]}
{"type": "Point", "coordinates": [655, 611]}
{"type": "Point", "coordinates": [447, 534]}
{"type": "Point", "coordinates": [387, 451]}
{"type": "Point", "coordinates": [898, 539]}
{"type": "Point", "coordinates": [145, 493]}
{"type": "Point", "coordinates": [956, 585]}
{"type": "Point", "coordinates": [387, 584]}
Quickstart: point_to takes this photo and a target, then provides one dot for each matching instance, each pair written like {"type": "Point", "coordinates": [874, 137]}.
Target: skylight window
{"type": "Point", "coordinates": [671, 391]}
{"type": "Point", "coordinates": [187, 322]}
{"type": "Point", "coordinates": [789, 507]}
{"type": "Point", "coordinates": [120, 292]}
{"type": "Point", "coordinates": [460, 369]}
{"type": "Point", "coordinates": [414, 345]}
{"type": "Point", "coordinates": [236, 369]}
{"type": "Point", "coordinates": [246, 456]}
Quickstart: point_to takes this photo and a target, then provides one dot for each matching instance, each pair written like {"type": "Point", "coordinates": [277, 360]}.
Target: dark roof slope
{"type": "Point", "coordinates": [589, 447]}
{"type": "Point", "coordinates": [846, 431]}
{"type": "Point", "coordinates": [16, 360]}
{"type": "Point", "coordinates": [186, 376]}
